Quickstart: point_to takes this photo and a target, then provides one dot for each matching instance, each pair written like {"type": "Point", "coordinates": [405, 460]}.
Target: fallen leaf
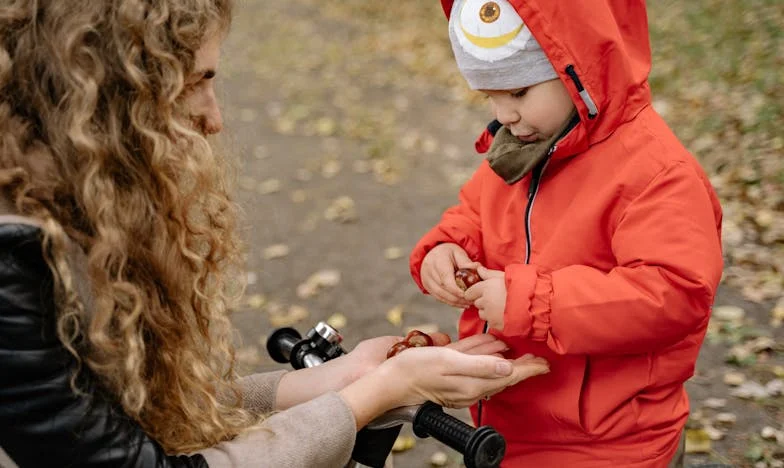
{"type": "Point", "coordinates": [403, 443]}
{"type": "Point", "coordinates": [256, 301]}
{"type": "Point", "coordinates": [294, 315]}
{"type": "Point", "coordinates": [317, 281]}
{"type": "Point", "coordinates": [337, 321]}
{"type": "Point", "coordinates": [439, 459]}
{"type": "Point", "coordinates": [715, 403]}
{"type": "Point", "coordinates": [341, 210]}
{"type": "Point", "coordinates": [728, 313]}
{"type": "Point", "coordinates": [275, 251]}
{"type": "Point", "coordinates": [697, 441]}
{"type": "Point", "coordinates": [713, 433]}
{"type": "Point", "coordinates": [395, 315]}
{"type": "Point", "coordinates": [269, 186]}
{"type": "Point", "coordinates": [330, 169]}
{"type": "Point", "coordinates": [734, 378]}
{"type": "Point", "coordinates": [726, 418]}
{"type": "Point", "coordinates": [769, 433]}
{"type": "Point", "coordinates": [750, 390]}
{"type": "Point", "coordinates": [393, 253]}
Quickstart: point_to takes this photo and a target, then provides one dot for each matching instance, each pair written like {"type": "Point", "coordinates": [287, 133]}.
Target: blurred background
{"type": "Point", "coordinates": [353, 131]}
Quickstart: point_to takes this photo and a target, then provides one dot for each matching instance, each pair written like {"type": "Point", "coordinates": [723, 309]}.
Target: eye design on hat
{"type": "Point", "coordinates": [490, 30]}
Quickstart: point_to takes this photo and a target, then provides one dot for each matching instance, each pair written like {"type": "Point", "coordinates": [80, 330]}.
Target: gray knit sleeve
{"type": "Point", "coordinates": [318, 433]}
{"type": "Point", "coordinates": [259, 391]}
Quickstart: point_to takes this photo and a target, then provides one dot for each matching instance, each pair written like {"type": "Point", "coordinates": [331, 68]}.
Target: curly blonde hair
{"type": "Point", "coordinates": [96, 145]}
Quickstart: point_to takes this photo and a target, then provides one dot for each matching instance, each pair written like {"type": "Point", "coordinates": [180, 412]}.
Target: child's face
{"type": "Point", "coordinates": [534, 113]}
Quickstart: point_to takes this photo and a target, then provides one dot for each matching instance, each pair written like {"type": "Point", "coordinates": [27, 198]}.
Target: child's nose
{"type": "Point", "coordinates": [506, 114]}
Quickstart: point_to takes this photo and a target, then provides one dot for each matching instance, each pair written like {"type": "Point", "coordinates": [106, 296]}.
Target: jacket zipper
{"type": "Point", "coordinates": [533, 189]}
{"type": "Point", "coordinates": [593, 111]}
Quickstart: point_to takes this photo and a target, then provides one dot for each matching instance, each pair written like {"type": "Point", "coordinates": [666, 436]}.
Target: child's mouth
{"type": "Point", "coordinates": [529, 138]}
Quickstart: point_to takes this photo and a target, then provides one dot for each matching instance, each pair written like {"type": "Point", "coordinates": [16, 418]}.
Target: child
{"type": "Point", "coordinates": [597, 233]}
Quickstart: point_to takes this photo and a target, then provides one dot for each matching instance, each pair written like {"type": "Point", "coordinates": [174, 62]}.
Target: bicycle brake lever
{"type": "Point", "coordinates": [394, 417]}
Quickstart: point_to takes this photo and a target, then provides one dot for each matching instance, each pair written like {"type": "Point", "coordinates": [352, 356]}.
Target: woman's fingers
{"type": "Point", "coordinates": [440, 339]}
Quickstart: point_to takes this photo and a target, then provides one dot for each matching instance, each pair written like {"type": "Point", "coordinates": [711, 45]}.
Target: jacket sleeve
{"type": "Point", "coordinates": [318, 433]}
{"type": "Point", "coordinates": [460, 224]}
{"type": "Point", "coordinates": [42, 421]}
{"type": "Point", "coordinates": [669, 263]}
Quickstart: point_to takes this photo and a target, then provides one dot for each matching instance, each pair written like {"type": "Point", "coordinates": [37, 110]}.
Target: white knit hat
{"type": "Point", "coordinates": [494, 49]}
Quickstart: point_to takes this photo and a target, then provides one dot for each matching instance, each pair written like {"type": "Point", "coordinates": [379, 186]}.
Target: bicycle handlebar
{"type": "Point", "coordinates": [482, 447]}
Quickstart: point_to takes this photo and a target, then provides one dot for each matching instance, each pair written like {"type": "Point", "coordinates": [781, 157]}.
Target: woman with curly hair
{"type": "Point", "coordinates": [118, 249]}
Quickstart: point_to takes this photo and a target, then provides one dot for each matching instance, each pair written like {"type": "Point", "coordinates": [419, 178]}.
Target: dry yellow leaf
{"type": "Point", "coordinates": [393, 253]}
{"type": "Point", "coordinates": [403, 443]}
{"type": "Point", "coordinates": [697, 441]}
{"type": "Point", "coordinates": [337, 321]}
{"type": "Point", "coordinates": [395, 315]}
{"type": "Point", "coordinates": [294, 315]}
{"type": "Point", "coordinates": [439, 459]}
{"type": "Point", "coordinates": [256, 301]}
{"type": "Point", "coordinates": [269, 186]}
{"type": "Point", "coordinates": [275, 251]}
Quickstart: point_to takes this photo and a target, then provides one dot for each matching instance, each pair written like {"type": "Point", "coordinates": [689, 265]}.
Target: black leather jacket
{"type": "Point", "coordinates": [42, 422]}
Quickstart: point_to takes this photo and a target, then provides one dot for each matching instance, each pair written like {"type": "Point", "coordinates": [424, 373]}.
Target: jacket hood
{"type": "Point", "coordinates": [601, 52]}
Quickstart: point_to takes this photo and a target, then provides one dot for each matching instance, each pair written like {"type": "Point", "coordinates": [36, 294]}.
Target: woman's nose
{"type": "Point", "coordinates": [213, 120]}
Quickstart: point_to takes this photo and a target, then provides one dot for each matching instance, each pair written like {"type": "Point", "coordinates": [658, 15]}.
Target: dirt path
{"type": "Point", "coordinates": [315, 116]}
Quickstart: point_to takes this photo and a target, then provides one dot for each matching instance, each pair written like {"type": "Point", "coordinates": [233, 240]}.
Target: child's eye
{"type": "Point", "coordinates": [520, 93]}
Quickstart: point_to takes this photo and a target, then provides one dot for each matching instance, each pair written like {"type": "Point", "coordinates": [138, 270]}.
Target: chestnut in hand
{"type": "Point", "coordinates": [396, 348]}
{"type": "Point", "coordinates": [418, 339]}
{"type": "Point", "coordinates": [466, 277]}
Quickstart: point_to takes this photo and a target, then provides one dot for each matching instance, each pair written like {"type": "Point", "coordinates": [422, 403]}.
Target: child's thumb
{"type": "Point", "coordinates": [486, 273]}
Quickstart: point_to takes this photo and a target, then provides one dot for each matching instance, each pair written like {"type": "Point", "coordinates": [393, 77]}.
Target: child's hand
{"type": "Point", "coordinates": [489, 296]}
{"type": "Point", "coordinates": [438, 273]}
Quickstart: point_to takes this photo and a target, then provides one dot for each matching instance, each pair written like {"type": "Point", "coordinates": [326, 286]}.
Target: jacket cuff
{"type": "Point", "coordinates": [259, 391]}
{"type": "Point", "coordinates": [541, 306]}
{"type": "Point", "coordinates": [527, 311]}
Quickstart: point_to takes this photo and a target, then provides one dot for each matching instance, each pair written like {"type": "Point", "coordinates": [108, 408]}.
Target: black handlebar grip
{"type": "Point", "coordinates": [281, 344]}
{"type": "Point", "coordinates": [481, 448]}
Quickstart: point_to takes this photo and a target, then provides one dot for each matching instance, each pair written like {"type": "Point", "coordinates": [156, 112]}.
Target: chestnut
{"type": "Point", "coordinates": [417, 339]}
{"type": "Point", "coordinates": [396, 348]}
{"type": "Point", "coordinates": [466, 277]}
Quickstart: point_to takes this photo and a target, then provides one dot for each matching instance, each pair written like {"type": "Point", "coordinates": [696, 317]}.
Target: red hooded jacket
{"type": "Point", "coordinates": [612, 256]}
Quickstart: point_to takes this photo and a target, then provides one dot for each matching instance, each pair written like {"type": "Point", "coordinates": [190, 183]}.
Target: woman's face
{"type": "Point", "coordinates": [199, 97]}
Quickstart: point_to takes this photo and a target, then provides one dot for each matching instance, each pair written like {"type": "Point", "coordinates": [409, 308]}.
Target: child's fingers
{"type": "Point", "coordinates": [486, 273]}
{"type": "Point", "coordinates": [486, 346]}
{"type": "Point", "coordinates": [474, 292]}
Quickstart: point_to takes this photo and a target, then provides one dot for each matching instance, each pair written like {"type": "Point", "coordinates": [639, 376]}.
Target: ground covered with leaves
{"type": "Point", "coordinates": [355, 131]}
